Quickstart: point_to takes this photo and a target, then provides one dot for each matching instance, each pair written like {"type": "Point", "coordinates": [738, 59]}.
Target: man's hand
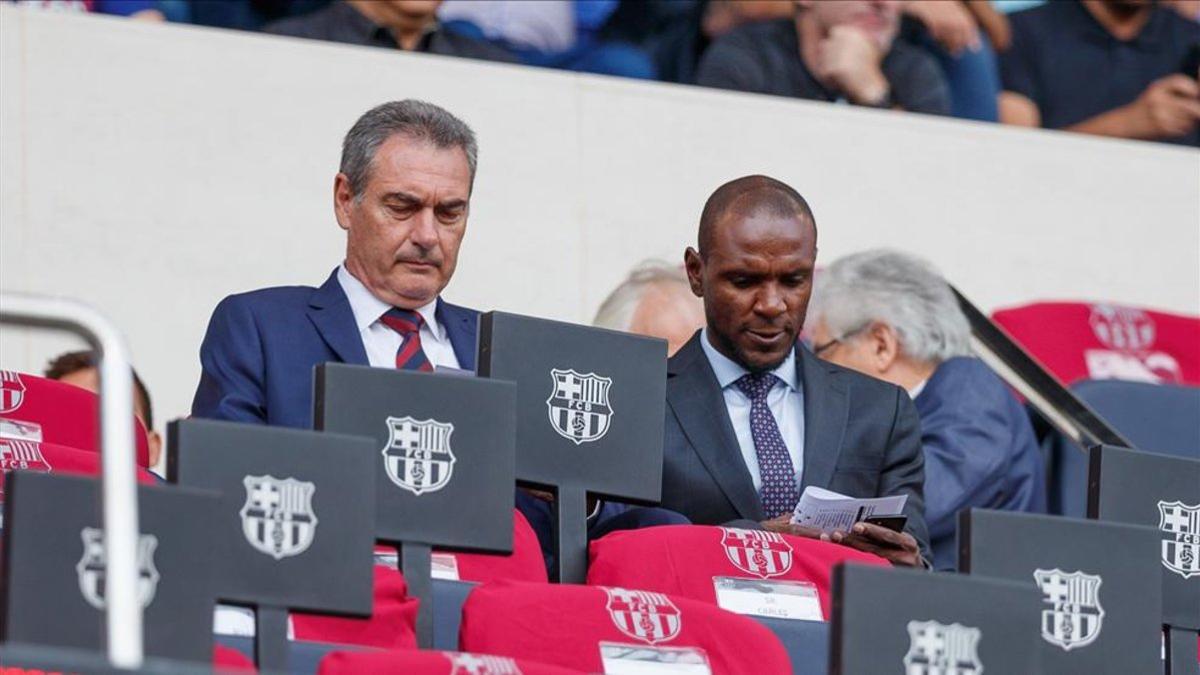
{"type": "Point", "coordinates": [783, 525]}
{"type": "Point", "coordinates": [950, 23]}
{"type": "Point", "coordinates": [850, 60]}
{"type": "Point", "coordinates": [899, 548]}
{"type": "Point", "coordinates": [1170, 106]}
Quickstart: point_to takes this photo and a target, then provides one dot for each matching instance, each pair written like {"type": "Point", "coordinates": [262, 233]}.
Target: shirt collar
{"type": "Point", "coordinates": [920, 387]}
{"type": "Point", "coordinates": [367, 308]}
{"type": "Point", "coordinates": [1150, 38]}
{"type": "Point", "coordinates": [728, 371]}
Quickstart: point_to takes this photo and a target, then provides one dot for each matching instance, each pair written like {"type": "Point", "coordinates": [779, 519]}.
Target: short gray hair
{"type": "Point", "coordinates": [415, 119]}
{"type": "Point", "coordinates": [900, 290]}
{"type": "Point", "coordinates": [618, 309]}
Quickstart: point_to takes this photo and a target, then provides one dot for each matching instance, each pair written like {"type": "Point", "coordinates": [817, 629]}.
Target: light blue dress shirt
{"type": "Point", "coordinates": [786, 401]}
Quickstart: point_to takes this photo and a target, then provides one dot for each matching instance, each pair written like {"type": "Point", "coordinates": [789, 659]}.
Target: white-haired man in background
{"type": "Point", "coordinates": [892, 316]}
{"type": "Point", "coordinates": [655, 300]}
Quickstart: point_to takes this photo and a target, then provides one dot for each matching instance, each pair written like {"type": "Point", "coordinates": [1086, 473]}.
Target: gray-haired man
{"type": "Point", "coordinates": [402, 194]}
{"type": "Point", "coordinates": [891, 316]}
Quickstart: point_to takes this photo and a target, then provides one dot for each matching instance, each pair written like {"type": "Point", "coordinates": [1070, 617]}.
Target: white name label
{"type": "Point", "coordinates": [775, 599]}
{"type": "Point", "coordinates": [623, 659]}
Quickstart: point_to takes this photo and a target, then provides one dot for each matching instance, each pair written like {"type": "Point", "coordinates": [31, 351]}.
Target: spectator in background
{"type": "Point", "coordinates": [656, 300]}
{"type": "Point", "coordinates": [238, 14]}
{"type": "Point", "coordinates": [410, 25]}
{"type": "Point", "coordinates": [564, 34]}
{"type": "Point", "coordinates": [951, 31]}
{"type": "Point", "coordinates": [831, 51]}
{"type": "Point", "coordinates": [677, 52]}
{"type": "Point", "coordinates": [144, 10]}
{"type": "Point", "coordinates": [79, 369]}
{"type": "Point", "coordinates": [891, 316]}
{"type": "Point", "coordinates": [1124, 68]}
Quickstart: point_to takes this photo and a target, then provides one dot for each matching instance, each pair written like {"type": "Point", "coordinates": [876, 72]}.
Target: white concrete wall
{"type": "Point", "coordinates": [151, 170]}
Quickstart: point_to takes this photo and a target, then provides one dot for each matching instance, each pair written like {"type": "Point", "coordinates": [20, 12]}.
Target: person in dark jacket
{"type": "Point", "coordinates": [891, 316]}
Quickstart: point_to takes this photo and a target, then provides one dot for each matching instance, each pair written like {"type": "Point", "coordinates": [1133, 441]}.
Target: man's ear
{"type": "Point", "coordinates": [343, 200]}
{"type": "Point", "coordinates": [694, 264]}
{"type": "Point", "coordinates": [885, 346]}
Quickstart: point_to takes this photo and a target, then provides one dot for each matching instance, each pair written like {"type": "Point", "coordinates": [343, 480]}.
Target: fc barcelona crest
{"type": "Point", "coordinates": [417, 456]}
{"type": "Point", "coordinates": [92, 568]}
{"type": "Point", "coordinates": [462, 663]}
{"type": "Point", "coordinates": [1181, 546]}
{"type": "Point", "coordinates": [25, 455]}
{"type": "Point", "coordinates": [578, 405]}
{"type": "Point", "coordinates": [763, 554]}
{"type": "Point", "coordinates": [12, 391]}
{"type": "Point", "coordinates": [939, 649]}
{"type": "Point", "coordinates": [1073, 615]}
{"type": "Point", "coordinates": [650, 617]}
{"type": "Point", "coordinates": [278, 517]}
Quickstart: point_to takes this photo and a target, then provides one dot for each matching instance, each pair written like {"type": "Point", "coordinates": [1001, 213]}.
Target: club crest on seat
{"type": "Point", "coordinates": [92, 568]}
{"type": "Point", "coordinates": [1074, 616]}
{"type": "Point", "coordinates": [642, 615]}
{"type": "Point", "coordinates": [278, 517]}
{"type": "Point", "coordinates": [763, 554]}
{"type": "Point", "coordinates": [1181, 547]}
{"type": "Point", "coordinates": [939, 649]}
{"type": "Point", "coordinates": [418, 457]}
{"type": "Point", "coordinates": [12, 391]}
{"type": "Point", "coordinates": [578, 405]}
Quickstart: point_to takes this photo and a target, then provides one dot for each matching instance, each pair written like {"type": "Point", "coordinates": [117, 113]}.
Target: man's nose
{"type": "Point", "coordinates": [424, 232]}
{"type": "Point", "coordinates": [769, 302]}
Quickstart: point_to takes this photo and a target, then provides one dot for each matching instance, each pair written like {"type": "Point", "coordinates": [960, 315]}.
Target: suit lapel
{"type": "Point", "coordinates": [826, 409]}
{"type": "Point", "coordinates": [461, 327]}
{"type": "Point", "coordinates": [698, 404]}
{"type": "Point", "coordinates": [330, 312]}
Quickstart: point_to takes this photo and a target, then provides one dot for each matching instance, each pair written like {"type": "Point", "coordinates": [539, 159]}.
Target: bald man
{"type": "Point", "coordinates": [753, 417]}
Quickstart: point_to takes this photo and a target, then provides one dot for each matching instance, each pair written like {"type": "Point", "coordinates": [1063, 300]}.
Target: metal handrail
{"type": "Point", "coordinates": [123, 610]}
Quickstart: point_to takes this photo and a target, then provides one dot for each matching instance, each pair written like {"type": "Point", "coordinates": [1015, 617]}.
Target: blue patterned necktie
{"type": "Point", "coordinates": [777, 475]}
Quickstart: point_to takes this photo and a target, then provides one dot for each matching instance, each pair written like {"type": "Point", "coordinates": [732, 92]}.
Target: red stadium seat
{"type": "Point", "coordinates": [431, 663]}
{"type": "Point", "coordinates": [227, 660]}
{"type": "Point", "coordinates": [1077, 341]}
{"type": "Point", "coordinates": [525, 563]}
{"type": "Point", "coordinates": [52, 458]}
{"type": "Point", "coordinates": [688, 557]}
{"type": "Point", "coordinates": [392, 624]}
{"type": "Point", "coordinates": [62, 413]}
{"type": "Point", "coordinates": [566, 625]}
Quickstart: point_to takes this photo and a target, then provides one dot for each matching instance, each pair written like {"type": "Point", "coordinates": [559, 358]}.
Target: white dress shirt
{"type": "Point", "coordinates": [786, 401]}
{"type": "Point", "coordinates": [381, 342]}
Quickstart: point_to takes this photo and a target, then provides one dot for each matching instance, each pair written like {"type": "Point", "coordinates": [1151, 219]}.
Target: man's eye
{"type": "Point", "coordinates": [450, 217]}
{"type": "Point", "coordinates": [795, 281]}
{"type": "Point", "coordinates": [742, 282]}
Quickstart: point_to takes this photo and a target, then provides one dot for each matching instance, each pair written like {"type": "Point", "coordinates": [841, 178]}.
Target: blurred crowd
{"type": "Point", "coordinates": [1121, 68]}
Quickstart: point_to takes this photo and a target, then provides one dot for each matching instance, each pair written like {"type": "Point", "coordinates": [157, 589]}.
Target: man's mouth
{"type": "Point", "coordinates": [767, 337]}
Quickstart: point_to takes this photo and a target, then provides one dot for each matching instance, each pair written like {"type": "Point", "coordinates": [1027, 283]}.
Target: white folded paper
{"type": "Point", "coordinates": [828, 511]}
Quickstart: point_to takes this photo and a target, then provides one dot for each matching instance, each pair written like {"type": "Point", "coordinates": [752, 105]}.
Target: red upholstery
{"type": "Point", "coordinates": [392, 624]}
{"type": "Point", "coordinates": [524, 564]}
{"type": "Point", "coordinates": [565, 624]}
{"type": "Point", "coordinates": [1077, 341]}
{"type": "Point", "coordinates": [687, 557]}
{"type": "Point", "coordinates": [226, 660]}
{"type": "Point", "coordinates": [67, 415]}
{"type": "Point", "coordinates": [431, 663]}
{"type": "Point", "coordinates": [52, 458]}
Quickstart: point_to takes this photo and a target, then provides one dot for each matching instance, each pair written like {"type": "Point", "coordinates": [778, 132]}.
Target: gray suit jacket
{"type": "Point", "coordinates": [862, 438]}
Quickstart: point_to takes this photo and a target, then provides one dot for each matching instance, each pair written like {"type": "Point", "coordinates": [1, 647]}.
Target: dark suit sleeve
{"type": "Point", "coordinates": [904, 469]}
{"type": "Point", "coordinates": [232, 368]}
{"type": "Point", "coordinates": [730, 63]}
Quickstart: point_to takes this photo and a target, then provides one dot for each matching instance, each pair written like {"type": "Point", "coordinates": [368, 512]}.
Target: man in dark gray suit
{"type": "Point", "coordinates": [753, 417]}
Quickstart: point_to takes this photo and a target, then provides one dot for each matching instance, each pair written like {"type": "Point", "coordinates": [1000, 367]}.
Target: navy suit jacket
{"type": "Point", "coordinates": [258, 356]}
{"type": "Point", "coordinates": [861, 438]}
{"type": "Point", "coordinates": [980, 451]}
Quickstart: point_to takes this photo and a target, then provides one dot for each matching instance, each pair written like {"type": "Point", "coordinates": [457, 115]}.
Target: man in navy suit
{"type": "Point", "coordinates": [752, 416]}
{"type": "Point", "coordinates": [891, 316]}
{"type": "Point", "coordinates": [402, 195]}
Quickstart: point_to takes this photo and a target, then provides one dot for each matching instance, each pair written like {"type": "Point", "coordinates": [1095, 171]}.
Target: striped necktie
{"type": "Point", "coordinates": [407, 323]}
